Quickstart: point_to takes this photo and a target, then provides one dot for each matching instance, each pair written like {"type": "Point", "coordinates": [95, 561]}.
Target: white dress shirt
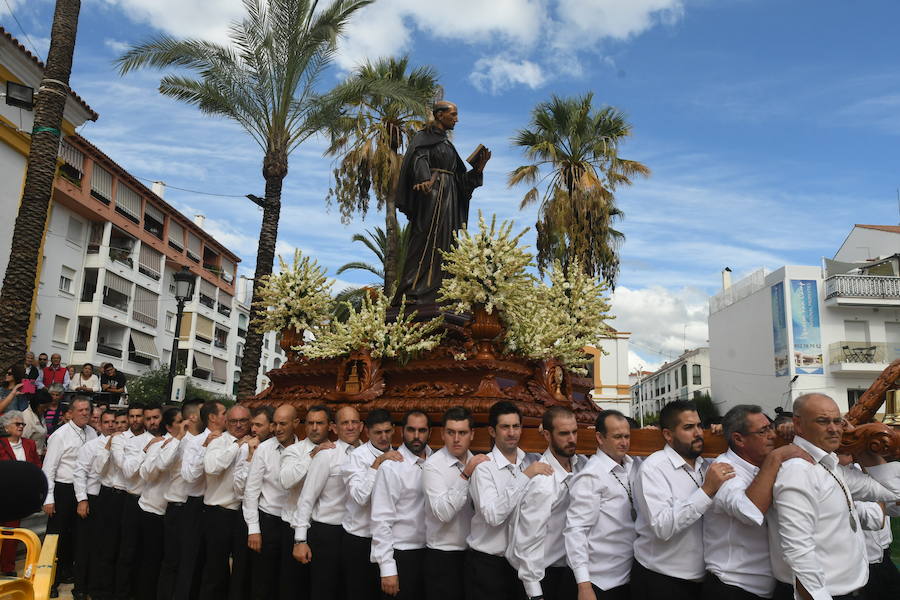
{"type": "Point", "coordinates": [155, 470]}
{"type": "Point", "coordinates": [192, 473]}
{"type": "Point", "coordinates": [448, 512]}
{"type": "Point", "coordinates": [599, 533]}
{"type": "Point", "coordinates": [813, 540]}
{"type": "Point", "coordinates": [176, 490]}
{"type": "Point", "coordinates": [263, 490]}
{"type": "Point", "coordinates": [398, 509]}
{"type": "Point", "coordinates": [324, 495]}
{"type": "Point", "coordinates": [496, 486]}
{"type": "Point", "coordinates": [85, 478]}
{"type": "Point", "coordinates": [34, 429]}
{"type": "Point", "coordinates": [62, 452]}
{"type": "Point", "coordinates": [359, 477]}
{"type": "Point", "coordinates": [670, 504]}
{"type": "Point", "coordinates": [129, 456]}
{"type": "Point", "coordinates": [219, 461]}
{"type": "Point", "coordinates": [294, 466]}
{"type": "Point", "coordinates": [537, 524]}
{"type": "Point", "coordinates": [105, 464]}
{"type": "Point", "coordinates": [735, 534]}
{"type": "Point", "coordinates": [876, 530]}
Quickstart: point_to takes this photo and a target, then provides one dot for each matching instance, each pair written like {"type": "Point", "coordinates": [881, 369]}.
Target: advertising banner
{"type": "Point", "coordinates": [779, 331]}
{"type": "Point", "coordinates": [805, 325]}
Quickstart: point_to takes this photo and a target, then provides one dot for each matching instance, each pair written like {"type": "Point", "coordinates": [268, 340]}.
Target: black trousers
{"type": "Point", "coordinates": [884, 579]}
{"type": "Point", "coordinates": [783, 591]}
{"type": "Point", "coordinates": [623, 592]}
{"type": "Point", "coordinates": [87, 551]}
{"type": "Point", "coordinates": [226, 543]}
{"type": "Point", "coordinates": [112, 502]}
{"type": "Point", "coordinates": [129, 548]}
{"type": "Point", "coordinates": [168, 567]}
{"type": "Point", "coordinates": [265, 566]}
{"type": "Point", "coordinates": [559, 584]}
{"type": "Point", "coordinates": [191, 550]}
{"type": "Point", "coordinates": [294, 584]}
{"type": "Point", "coordinates": [715, 589]}
{"type": "Point", "coordinates": [325, 568]}
{"type": "Point", "coordinates": [152, 543]}
{"type": "Point", "coordinates": [411, 573]}
{"type": "Point", "coordinates": [490, 577]}
{"type": "Point", "coordinates": [362, 580]}
{"type": "Point", "coordinates": [445, 574]}
{"type": "Point", "coordinates": [62, 523]}
{"type": "Point", "coordinates": [650, 585]}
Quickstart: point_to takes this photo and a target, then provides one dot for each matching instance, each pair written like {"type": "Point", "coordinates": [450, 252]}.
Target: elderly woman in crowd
{"type": "Point", "coordinates": [35, 429]}
{"type": "Point", "coordinates": [85, 381]}
{"type": "Point", "coordinates": [14, 447]}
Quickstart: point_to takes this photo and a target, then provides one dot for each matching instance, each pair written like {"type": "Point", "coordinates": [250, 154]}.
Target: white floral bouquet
{"type": "Point", "coordinates": [368, 327]}
{"type": "Point", "coordinates": [487, 268]}
{"type": "Point", "coordinates": [298, 296]}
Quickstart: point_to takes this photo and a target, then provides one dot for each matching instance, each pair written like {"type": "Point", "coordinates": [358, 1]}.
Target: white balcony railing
{"type": "Point", "coordinates": [862, 286]}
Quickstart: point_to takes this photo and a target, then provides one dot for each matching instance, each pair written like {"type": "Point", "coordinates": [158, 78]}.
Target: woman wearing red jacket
{"type": "Point", "coordinates": [14, 447]}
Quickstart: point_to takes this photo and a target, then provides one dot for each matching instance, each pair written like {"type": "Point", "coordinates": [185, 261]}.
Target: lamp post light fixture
{"type": "Point", "coordinates": [184, 291]}
{"type": "Point", "coordinates": [19, 95]}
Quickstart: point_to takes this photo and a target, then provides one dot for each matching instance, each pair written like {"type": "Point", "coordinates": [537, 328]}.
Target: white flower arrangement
{"type": "Point", "coordinates": [368, 327]}
{"type": "Point", "coordinates": [487, 268]}
{"type": "Point", "coordinates": [299, 296]}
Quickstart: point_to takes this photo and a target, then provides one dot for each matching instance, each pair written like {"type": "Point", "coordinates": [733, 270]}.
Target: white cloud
{"type": "Point", "coordinates": [588, 21]}
{"type": "Point", "coordinates": [206, 19]}
{"type": "Point", "coordinates": [497, 73]}
{"type": "Point", "coordinates": [117, 46]}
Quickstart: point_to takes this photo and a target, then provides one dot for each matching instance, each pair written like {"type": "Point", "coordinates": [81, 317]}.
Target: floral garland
{"type": "Point", "coordinates": [368, 327]}
{"type": "Point", "coordinates": [298, 296]}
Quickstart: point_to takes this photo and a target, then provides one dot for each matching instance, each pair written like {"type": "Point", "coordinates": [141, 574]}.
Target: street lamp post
{"type": "Point", "coordinates": [184, 290]}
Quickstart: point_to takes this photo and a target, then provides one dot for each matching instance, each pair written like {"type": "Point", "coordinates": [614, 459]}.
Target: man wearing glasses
{"type": "Point", "coordinates": [735, 532]}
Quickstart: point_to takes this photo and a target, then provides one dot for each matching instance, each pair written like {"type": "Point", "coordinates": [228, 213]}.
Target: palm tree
{"type": "Point", "coordinates": [579, 145]}
{"type": "Point", "coordinates": [383, 106]}
{"type": "Point", "coordinates": [20, 280]}
{"type": "Point", "coordinates": [265, 80]}
{"type": "Point", "coordinates": [377, 242]}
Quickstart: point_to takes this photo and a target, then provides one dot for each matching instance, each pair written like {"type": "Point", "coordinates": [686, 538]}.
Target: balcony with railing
{"type": "Point", "coordinates": [855, 358]}
{"type": "Point", "coordinates": [862, 290]}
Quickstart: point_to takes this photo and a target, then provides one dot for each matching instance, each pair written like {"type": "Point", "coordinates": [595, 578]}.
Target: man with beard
{"type": "Point", "coordinates": [599, 533]}
{"type": "Point", "coordinates": [537, 549]}
{"type": "Point", "coordinates": [398, 513]}
{"type": "Point", "coordinates": [359, 475]}
{"type": "Point", "coordinates": [322, 507]}
{"type": "Point", "coordinates": [675, 487]}
{"type": "Point", "coordinates": [496, 488]}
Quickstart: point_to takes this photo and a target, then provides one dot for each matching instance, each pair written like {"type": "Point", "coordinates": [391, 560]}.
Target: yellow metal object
{"type": "Point", "coordinates": [40, 565]}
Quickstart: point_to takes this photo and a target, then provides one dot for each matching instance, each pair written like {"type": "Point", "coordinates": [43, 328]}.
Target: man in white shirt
{"type": "Point", "coordinates": [674, 487]}
{"type": "Point", "coordinates": [735, 529]}
{"type": "Point", "coordinates": [160, 454]}
{"type": "Point", "coordinates": [264, 497]}
{"type": "Point", "coordinates": [884, 579]}
{"type": "Point", "coordinates": [322, 507]}
{"type": "Point", "coordinates": [294, 466]}
{"type": "Point", "coordinates": [176, 497]}
{"type": "Point", "coordinates": [398, 513]}
{"type": "Point", "coordinates": [129, 455]}
{"type": "Point", "coordinates": [224, 529]}
{"type": "Point", "coordinates": [818, 544]}
{"type": "Point", "coordinates": [599, 533]}
{"type": "Point", "coordinates": [496, 486]}
{"type": "Point", "coordinates": [59, 467]}
{"type": "Point", "coordinates": [448, 509]}
{"type": "Point", "coordinates": [537, 549]}
{"type": "Point", "coordinates": [86, 481]}
{"type": "Point", "coordinates": [359, 475]}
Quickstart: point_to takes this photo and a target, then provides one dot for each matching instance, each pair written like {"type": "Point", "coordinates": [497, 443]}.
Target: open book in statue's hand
{"type": "Point", "coordinates": [476, 155]}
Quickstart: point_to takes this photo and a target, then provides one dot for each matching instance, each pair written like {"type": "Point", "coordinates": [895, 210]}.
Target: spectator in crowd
{"type": "Point", "coordinates": [42, 361]}
{"type": "Point", "coordinates": [53, 373]}
{"type": "Point", "coordinates": [72, 371]}
{"type": "Point", "coordinates": [113, 383]}
{"type": "Point", "coordinates": [54, 414]}
{"type": "Point", "coordinates": [85, 381]}
{"type": "Point", "coordinates": [14, 447]}
{"type": "Point", "coordinates": [32, 370]}
{"type": "Point", "coordinates": [35, 429]}
{"type": "Point", "coordinates": [96, 411]}
{"type": "Point", "coordinates": [13, 398]}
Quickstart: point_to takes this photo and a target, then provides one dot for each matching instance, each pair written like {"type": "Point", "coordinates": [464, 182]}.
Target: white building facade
{"type": "Point", "coordinates": [685, 378]}
{"type": "Point", "coordinates": [609, 370]}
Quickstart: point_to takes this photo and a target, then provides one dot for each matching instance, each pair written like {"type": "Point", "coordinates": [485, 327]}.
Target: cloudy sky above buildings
{"type": "Point", "coordinates": [771, 127]}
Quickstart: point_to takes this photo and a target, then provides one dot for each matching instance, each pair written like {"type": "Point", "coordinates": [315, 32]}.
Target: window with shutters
{"type": "Point", "coordinates": [66, 279]}
{"type": "Point", "coordinates": [195, 247]}
{"type": "Point", "coordinates": [203, 365]}
{"type": "Point", "coordinates": [60, 328]}
{"type": "Point", "coordinates": [128, 202]}
{"type": "Point", "coordinates": [207, 294]}
{"type": "Point", "coordinates": [153, 220]}
{"type": "Point", "coordinates": [204, 332]}
{"type": "Point", "coordinates": [116, 292]}
{"type": "Point", "coordinates": [224, 306]}
{"type": "Point", "coordinates": [227, 270]}
{"type": "Point", "coordinates": [170, 322]}
{"type": "Point", "coordinates": [176, 235]}
{"type": "Point", "coordinates": [120, 246]}
{"type": "Point", "coordinates": [73, 162]}
{"type": "Point", "coordinates": [101, 184]}
{"type": "Point", "coordinates": [146, 306]}
{"type": "Point", "coordinates": [149, 261]}
{"type": "Point", "coordinates": [221, 338]}
{"type": "Point", "coordinates": [75, 231]}
{"type": "Point", "coordinates": [220, 370]}
{"type": "Point", "coordinates": [242, 325]}
{"type": "Point", "coordinates": [95, 237]}
{"type": "Point", "coordinates": [695, 369]}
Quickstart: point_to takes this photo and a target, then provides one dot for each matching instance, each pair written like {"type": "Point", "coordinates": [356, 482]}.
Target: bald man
{"type": "Point", "coordinates": [264, 496]}
{"type": "Point", "coordinates": [322, 507]}
{"type": "Point", "coordinates": [224, 528]}
{"type": "Point", "coordinates": [815, 538]}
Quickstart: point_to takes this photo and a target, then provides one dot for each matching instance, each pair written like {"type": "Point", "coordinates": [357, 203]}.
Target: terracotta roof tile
{"type": "Point", "coordinates": [888, 228]}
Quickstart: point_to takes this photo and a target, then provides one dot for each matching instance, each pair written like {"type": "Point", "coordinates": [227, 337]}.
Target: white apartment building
{"type": "Point", "coordinates": [831, 328]}
{"type": "Point", "coordinates": [609, 370]}
{"type": "Point", "coordinates": [685, 378]}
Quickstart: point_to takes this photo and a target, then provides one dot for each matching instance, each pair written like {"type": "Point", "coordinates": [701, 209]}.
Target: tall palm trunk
{"type": "Point", "coordinates": [274, 170]}
{"type": "Point", "coordinates": [20, 281]}
{"type": "Point", "coordinates": [391, 227]}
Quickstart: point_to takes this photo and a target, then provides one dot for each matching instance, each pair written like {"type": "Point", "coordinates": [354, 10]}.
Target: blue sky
{"type": "Point", "coordinates": [770, 126]}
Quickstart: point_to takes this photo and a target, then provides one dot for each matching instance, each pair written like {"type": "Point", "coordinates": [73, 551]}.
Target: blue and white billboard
{"type": "Point", "coordinates": [779, 331]}
{"type": "Point", "coordinates": [805, 325]}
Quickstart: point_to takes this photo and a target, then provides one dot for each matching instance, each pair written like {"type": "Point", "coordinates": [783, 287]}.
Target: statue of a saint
{"type": "Point", "coordinates": [433, 191]}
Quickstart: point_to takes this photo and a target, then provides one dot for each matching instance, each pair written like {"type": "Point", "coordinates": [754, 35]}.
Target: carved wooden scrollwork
{"type": "Point", "coordinates": [359, 379]}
